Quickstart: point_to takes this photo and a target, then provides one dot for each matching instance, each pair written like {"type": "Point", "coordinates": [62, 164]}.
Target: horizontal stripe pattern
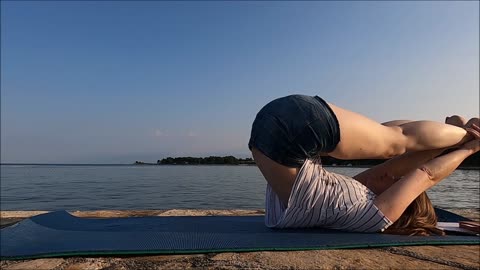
{"type": "Point", "coordinates": [324, 199]}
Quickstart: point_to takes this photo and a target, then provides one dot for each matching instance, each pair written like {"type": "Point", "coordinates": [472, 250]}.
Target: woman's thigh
{"type": "Point", "coordinates": [281, 178]}
{"type": "Point", "coordinates": [361, 137]}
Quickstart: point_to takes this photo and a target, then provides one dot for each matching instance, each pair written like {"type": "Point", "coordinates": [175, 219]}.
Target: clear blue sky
{"type": "Point", "coordinates": [117, 81]}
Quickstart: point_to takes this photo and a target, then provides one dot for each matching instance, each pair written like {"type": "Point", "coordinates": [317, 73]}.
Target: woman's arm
{"type": "Point", "coordinates": [393, 201]}
{"type": "Point", "coordinates": [380, 177]}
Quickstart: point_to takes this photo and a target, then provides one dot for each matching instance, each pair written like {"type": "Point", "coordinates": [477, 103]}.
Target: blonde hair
{"type": "Point", "coordinates": [418, 219]}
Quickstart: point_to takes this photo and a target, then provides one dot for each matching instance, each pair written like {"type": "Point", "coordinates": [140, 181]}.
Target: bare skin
{"type": "Point", "coordinates": [420, 171]}
{"type": "Point", "coordinates": [396, 198]}
{"type": "Point", "coordinates": [281, 178]}
{"type": "Point", "coordinates": [381, 177]}
{"type": "Point", "coordinates": [362, 138]}
{"type": "Point", "coordinates": [395, 193]}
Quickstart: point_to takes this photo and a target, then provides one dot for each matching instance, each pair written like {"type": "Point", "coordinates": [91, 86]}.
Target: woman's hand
{"type": "Point", "coordinates": [473, 127]}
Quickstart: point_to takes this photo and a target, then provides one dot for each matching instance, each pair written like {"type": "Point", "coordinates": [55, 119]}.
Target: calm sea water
{"type": "Point", "coordinates": [51, 187]}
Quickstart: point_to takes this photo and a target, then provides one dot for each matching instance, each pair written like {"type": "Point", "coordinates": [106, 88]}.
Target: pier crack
{"type": "Point", "coordinates": [412, 254]}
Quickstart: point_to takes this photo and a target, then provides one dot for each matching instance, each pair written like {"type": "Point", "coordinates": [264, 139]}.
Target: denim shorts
{"type": "Point", "coordinates": [291, 129]}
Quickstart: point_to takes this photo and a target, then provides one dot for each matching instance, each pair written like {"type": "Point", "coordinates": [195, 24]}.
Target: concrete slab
{"type": "Point", "coordinates": [415, 257]}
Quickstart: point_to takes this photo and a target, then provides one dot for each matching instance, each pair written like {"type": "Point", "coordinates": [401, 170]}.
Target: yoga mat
{"type": "Point", "coordinates": [58, 234]}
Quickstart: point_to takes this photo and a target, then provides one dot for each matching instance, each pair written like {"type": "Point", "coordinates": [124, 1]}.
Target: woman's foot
{"type": "Point", "coordinates": [456, 120]}
{"type": "Point", "coordinates": [472, 126]}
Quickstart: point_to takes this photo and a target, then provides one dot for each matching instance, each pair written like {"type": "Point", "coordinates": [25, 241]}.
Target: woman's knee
{"type": "Point", "coordinates": [361, 137]}
{"type": "Point", "coordinates": [278, 176]}
{"type": "Point", "coordinates": [390, 144]}
{"type": "Point", "coordinates": [396, 142]}
{"type": "Point", "coordinates": [271, 170]}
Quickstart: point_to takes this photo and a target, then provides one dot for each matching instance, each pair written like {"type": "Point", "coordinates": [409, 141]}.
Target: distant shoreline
{"type": "Point", "coordinates": [155, 164]}
{"type": "Point", "coordinates": [327, 166]}
{"type": "Point", "coordinates": [66, 164]}
{"type": "Point", "coordinates": [471, 163]}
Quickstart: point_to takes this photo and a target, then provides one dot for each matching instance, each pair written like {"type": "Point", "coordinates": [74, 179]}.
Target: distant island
{"type": "Point", "coordinates": [473, 162]}
{"type": "Point", "coordinates": [212, 160]}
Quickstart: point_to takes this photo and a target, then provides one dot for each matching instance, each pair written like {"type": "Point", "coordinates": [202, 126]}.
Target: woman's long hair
{"type": "Point", "coordinates": [418, 219]}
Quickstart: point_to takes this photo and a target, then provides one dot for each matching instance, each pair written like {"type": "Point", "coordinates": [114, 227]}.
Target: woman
{"type": "Point", "coordinates": [290, 133]}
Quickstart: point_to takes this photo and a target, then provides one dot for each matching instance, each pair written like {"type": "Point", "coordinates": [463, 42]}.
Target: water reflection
{"type": "Point", "coordinates": [166, 187]}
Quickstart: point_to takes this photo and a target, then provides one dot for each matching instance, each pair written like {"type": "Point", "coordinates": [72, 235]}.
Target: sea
{"type": "Point", "coordinates": [130, 187]}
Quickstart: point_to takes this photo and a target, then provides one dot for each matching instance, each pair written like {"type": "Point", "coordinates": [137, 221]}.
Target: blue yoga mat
{"type": "Point", "coordinates": [58, 234]}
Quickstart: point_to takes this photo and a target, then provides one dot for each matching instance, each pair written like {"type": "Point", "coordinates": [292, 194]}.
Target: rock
{"type": "Point", "coordinates": [89, 264]}
{"type": "Point", "coordinates": [38, 264]}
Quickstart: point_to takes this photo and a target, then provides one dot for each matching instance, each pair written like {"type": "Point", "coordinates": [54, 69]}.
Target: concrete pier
{"type": "Point", "coordinates": [414, 257]}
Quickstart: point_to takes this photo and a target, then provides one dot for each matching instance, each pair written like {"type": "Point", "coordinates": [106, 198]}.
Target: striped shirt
{"type": "Point", "coordinates": [324, 199]}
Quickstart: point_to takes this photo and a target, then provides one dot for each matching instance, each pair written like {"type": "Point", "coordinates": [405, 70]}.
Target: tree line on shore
{"type": "Point", "coordinates": [211, 160]}
{"type": "Point", "coordinates": [229, 160]}
{"type": "Point", "coordinates": [471, 162]}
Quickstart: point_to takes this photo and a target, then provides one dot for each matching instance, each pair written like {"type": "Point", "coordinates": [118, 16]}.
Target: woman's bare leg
{"type": "Point", "coordinates": [282, 178]}
{"type": "Point", "coordinates": [382, 176]}
{"type": "Point", "coordinates": [361, 137]}
{"type": "Point", "coordinates": [456, 120]}
{"type": "Point", "coordinates": [278, 176]}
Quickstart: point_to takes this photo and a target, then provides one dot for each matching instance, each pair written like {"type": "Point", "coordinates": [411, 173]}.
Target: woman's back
{"type": "Point", "coordinates": [323, 199]}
